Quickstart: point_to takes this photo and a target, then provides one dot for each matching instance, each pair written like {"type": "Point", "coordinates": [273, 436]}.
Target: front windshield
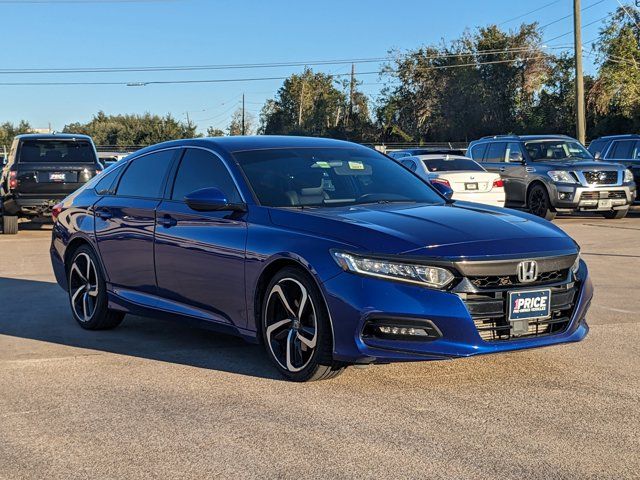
{"type": "Point", "coordinates": [557, 150]}
{"type": "Point", "coordinates": [330, 177]}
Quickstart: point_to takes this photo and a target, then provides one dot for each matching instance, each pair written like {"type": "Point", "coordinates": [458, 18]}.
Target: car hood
{"type": "Point", "coordinates": [460, 230]}
{"type": "Point", "coordinates": [578, 165]}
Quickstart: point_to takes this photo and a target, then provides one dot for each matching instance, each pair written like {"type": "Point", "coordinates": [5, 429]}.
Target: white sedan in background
{"type": "Point", "coordinates": [468, 180]}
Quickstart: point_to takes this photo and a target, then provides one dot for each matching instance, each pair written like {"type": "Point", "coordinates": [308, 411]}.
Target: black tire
{"type": "Point", "coordinates": [616, 214]}
{"type": "Point", "coordinates": [9, 224]}
{"type": "Point", "coordinates": [288, 345]}
{"type": "Point", "coordinates": [539, 204]}
{"type": "Point", "coordinates": [89, 309]}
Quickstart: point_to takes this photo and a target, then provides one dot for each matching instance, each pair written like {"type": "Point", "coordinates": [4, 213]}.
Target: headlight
{"type": "Point", "coordinates": [434, 277]}
{"type": "Point", "coordinates": [628, 176]}
{"type": "Point", "coordinates": [576, 266]}
{"type": "Point", "coordinates": [561, 176]}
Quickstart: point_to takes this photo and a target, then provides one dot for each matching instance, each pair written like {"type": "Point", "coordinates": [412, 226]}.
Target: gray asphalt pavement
{"type": "Point", "coordinates": [154, 399]}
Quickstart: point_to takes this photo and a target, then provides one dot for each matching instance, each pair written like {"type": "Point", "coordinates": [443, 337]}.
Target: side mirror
{"type": "Point", "coordinates": [445, 190]}
{"type": "Point", "coordinates": [597, 156]}
{"type": "Point", "coordinates": [212, 200]}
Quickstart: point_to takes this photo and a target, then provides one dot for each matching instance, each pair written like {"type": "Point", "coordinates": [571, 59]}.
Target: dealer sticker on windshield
{"type": "Point", "coordinates": [529, 304]}
{"type": "Point", "coordinates": [356, 165]}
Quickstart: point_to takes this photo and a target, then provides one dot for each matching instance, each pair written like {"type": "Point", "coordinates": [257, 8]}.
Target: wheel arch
{"type": "Point", "coordinates": [75, 243]}
{"type": "Point", "coordinates": [532, 184]}
{"type": "Point", "coordinates": [268, 272]}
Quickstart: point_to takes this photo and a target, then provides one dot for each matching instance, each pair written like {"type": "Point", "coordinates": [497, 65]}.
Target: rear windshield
{"type": "Point", "coordinates": [450, 165]}
{"type": "Point", "coordinates": [57, 151]}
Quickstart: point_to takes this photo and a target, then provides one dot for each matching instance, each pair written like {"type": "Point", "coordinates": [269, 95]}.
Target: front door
{"type": "Point", "coordinates": [200, 255]}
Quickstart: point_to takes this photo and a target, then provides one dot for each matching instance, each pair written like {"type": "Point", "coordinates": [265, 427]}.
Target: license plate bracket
{"type": "Point", "coordinates": [57, 177]}
{"type": "Point", "coordinates": [529, 305]}
{"type": "Point", "coordinates": [471, 186]}
{"type": "Point", "coordinates": [604, 204]}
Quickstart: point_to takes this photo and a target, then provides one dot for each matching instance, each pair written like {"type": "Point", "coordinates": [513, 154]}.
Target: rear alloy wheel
{"type": "Point", "coordinates": [616, 214]}
{"type": "Point", "coordinates": [87, 293]}
{"type": "Point", "coordinates": [539, 203]}
{"type": "Point", "coordinates": [296, 328]}
{"type": "Point", "coordinates": [9, 224]}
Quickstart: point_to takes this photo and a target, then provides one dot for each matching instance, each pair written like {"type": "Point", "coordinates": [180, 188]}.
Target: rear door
{"type": "Point", "coordinates": [200, 255]}
{"type": "Point", "coordinates": [54, 167]}
{"type": "Point", "coordinates": [125, 223]}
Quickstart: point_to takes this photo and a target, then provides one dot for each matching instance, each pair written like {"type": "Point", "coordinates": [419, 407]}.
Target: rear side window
{"type": "Point", "coordinates": [145, 175]}
{"type": "Point", "coordinates": [496, 152]}
{"type": "Point", "coordinates": [597, 146]}
{"type": "Point", "coordinates": [410, 165]}
{"type": "Point", "coordinates": [622, 149]}
{"type": "Point", "coordinates": [201, 169]}
{"type": "Point", "coordinates": [56, 151]}
{"type": "Point", "coordinates": [477, 152]}
{"type": "Point", "coordinates": [106, 185]}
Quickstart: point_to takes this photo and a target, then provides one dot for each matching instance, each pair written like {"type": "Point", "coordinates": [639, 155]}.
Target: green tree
{"type": "Point", "coordinates": [615, 95]}
{"type": "Point", "coordinates": [9, 130]}
{"type": "Point", "coordinates": [235, 126]}
{"type": "Point", "coordinates": [120, 130]}
{"type": "Point", "coordinates": [215, 132]}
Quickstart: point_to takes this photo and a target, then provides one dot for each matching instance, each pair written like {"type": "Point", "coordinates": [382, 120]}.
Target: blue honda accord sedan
{"type": "Point", "coordinates": [327, 252]}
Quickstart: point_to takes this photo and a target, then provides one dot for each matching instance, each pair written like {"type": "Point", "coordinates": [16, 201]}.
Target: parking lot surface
{"type": "Point", "coordinates": [154, 399]}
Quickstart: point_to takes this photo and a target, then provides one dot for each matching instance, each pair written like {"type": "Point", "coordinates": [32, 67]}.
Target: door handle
{"type": "Point", "coordinates": [103, 213]}
{"type": "Point", "coordinates": [168, 221]}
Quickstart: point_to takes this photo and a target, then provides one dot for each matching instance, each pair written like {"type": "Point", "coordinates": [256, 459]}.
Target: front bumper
{"type": "Point", "coordinates": [353, 300]}
{"type": "Point", "coordinates": [601, 198]}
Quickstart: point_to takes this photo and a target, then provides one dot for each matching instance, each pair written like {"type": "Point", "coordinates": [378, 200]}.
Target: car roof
{"type": "Point", "coordinates": [621, 136]}
{"type": "Point", "coordinates": [439, 156]}
{"type": "Point", "coordinates": [259, 142]}
{"type": "Point", "coordinates": [524, 138]}
{"type": "Point", "coordinates": [52, 136]}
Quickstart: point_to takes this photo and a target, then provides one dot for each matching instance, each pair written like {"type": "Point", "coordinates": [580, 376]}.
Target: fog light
{"type": "Point", "coordinates": [564, 195]}
{"type": "Point", "coordinates": [403, 331]}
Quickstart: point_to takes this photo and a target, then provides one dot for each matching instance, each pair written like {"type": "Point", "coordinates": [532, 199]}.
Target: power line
{"type": "Point", "coordinates": [529, 13]}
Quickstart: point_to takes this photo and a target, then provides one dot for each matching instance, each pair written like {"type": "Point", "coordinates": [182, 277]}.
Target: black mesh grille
{"type": "Point", "coordinates": [603, 195]}
{"type": "Point", "coordinates": [492, 282]}
{"type": "Point", "coordinates": [489, 313]}
{"type": "Point", "coordinates": [601, 177]}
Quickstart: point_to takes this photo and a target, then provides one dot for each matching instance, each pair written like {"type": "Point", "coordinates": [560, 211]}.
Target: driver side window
{"type": "Point", "coordinates": [202, 169]}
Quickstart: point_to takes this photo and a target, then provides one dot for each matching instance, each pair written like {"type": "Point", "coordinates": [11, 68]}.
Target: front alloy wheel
{"type": "Point", "coordinates": [296, 329]}
{"type": "Point", "coordinates": [539, 203]}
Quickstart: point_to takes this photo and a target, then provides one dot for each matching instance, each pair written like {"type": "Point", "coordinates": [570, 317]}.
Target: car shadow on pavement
{"type": "Point", "coordinates": [38, 310]}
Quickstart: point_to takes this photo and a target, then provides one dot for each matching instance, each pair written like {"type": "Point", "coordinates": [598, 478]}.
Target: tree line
{"type": "Point", "coordinates": [488, 81]}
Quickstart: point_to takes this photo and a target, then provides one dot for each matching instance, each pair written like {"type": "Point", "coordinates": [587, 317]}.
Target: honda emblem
{"type": "Point", "coordinates": [527, 271]}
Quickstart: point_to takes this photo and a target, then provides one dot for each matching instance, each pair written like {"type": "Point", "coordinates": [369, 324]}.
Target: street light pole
{"type": "Point", "coordinates": [580, 110]}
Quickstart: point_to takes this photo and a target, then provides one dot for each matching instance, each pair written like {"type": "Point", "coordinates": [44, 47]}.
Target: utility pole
{"type": "Point", "coordinates": [580, 114]}
{"type": "Point", "coordinates": [352, 87]}
{"type": "Point", "coordinates": [300, 104]}
{"type": "Point", "coordinates": [243, 131]}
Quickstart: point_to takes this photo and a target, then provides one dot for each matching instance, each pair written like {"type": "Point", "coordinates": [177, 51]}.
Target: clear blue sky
{"type": "Point", "coordinates": [122, 33]}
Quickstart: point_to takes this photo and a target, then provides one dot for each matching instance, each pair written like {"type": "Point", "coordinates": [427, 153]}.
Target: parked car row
{"type": "Point", "coordinates": [547, 174]}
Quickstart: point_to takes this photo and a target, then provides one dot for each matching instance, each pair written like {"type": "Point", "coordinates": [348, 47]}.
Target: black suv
{"type": "Point", "coordinates": [552, 173]}
{"type": "Point", "coordinates": [40, 171]}
{"type": "Point", "coordinates": [624, 149]}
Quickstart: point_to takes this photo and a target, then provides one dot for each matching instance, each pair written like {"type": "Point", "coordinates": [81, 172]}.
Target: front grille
{"type": "Point", "coordinates": [489, 313]}
{"type": "Point", "coordinates": [603, 195]}
{"type": "Point", "coordinates": [605, 177]}
{"type": "Point", "coordinates": [510, 280]}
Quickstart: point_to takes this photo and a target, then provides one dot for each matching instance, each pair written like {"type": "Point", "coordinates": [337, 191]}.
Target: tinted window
{"type": "Point", "coordinates": [449, 165]}
{"type": "Point", "coordinates": [477, 152]}
{"type": "Point", "coordinates": [201, 169]}
{"type": "Point", "coordinates": [496, 152]}
{"type": "Point", "coordinates": [326, 177]}
{"type": "Point", "coordinates": [622, 149]}
{"type": "Point", "coordinates": [56, 151]}
{"type": "Point", "coordinates": [106, 184]}
{"type": "Point", "coordinates": [597, 146]}
{"type": "Point", "coordinates": [410, 165]}
{"type": "Point", "coordinates": [145, 175]}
